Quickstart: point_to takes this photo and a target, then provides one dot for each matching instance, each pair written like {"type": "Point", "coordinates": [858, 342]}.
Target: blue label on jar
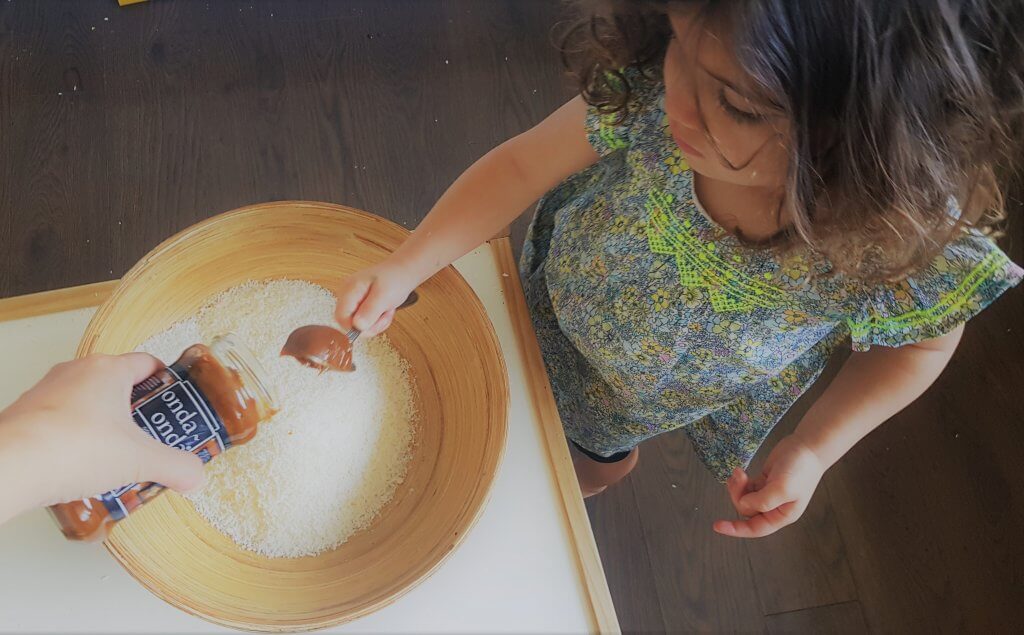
{"type": "Point", "coordinates": [178, 416]}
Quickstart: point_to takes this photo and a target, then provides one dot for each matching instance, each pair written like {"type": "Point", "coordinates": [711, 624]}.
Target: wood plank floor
{"type": "Point", "coordinates": [119, 126]}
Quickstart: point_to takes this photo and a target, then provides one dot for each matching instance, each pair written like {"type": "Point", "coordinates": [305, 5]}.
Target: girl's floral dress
{"type": "Point", "coordinates": [652, 317]}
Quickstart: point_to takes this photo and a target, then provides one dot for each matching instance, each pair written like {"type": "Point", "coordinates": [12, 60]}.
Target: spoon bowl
{"type": "Point", "coordinates": [325, 347]}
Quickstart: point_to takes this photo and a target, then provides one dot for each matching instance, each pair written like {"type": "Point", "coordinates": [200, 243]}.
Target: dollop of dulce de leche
{"type": "Point", "coordinates": [320, 347]}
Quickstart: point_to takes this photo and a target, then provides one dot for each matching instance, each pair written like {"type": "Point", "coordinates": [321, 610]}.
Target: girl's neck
{"type": "Point", "coordinates": [748, 211]}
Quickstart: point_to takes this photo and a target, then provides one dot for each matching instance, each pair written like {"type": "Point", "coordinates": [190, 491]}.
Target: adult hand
{"type": "Point", "coordinates": [72, 436]}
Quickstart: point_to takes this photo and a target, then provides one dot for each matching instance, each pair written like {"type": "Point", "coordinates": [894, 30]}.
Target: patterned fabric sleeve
{"type": "Point", "coordinates": [969, 275]}
{"type": "Point", "coordinates": [614, 132]}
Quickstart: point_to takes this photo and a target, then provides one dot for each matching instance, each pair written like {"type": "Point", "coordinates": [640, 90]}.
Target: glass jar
{"type": "Point", "coordinates": [214, 397]}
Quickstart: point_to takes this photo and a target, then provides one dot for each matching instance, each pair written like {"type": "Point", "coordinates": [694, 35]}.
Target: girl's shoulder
{"type": "Point", "coordinates": [969, 274]}
{"type": "Point", "coordinates": [641, 115]}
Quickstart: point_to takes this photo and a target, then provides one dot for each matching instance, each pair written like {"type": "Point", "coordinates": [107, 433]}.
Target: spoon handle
{"type": "Point", "coordinates": [411, 300]}
{"type": "Point", "coordinates": [353, 334]}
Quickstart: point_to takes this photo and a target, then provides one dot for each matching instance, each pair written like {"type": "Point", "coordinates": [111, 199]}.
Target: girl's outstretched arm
{"type": "Point", "coordinates": [871, 387]}
{"type": "Point", "coordinates": [484, 199]}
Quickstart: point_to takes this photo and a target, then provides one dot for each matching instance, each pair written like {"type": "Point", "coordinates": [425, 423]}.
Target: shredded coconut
{"type": "Point", "coordinates": [332, 457]}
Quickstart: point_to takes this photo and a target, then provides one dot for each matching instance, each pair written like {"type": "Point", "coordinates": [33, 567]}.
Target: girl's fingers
{"type": "Point", "coordinates": [348, 302]}
{"type": "Point", "coordinates": [382, 324]}
{"type": "Point", "coordinates": [375, 305]}
{"type": "Point", "coordinates": [726, 528]}
{"type": "Point", "coordinates": [758, 525]}
{"type": "Point", "coordinates": [737, 486]}
{"type": "Point", "coordinates": [753, 527]}
{"type": "Point", "coordinates": [770, 497]}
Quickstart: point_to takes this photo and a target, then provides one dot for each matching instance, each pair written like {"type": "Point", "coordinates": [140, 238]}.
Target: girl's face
{"type": "Point", "coordinates": [726, 130]}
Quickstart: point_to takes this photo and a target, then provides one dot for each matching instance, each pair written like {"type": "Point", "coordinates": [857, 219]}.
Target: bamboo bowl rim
{"type": "Point", "coordinates": [132, 542]}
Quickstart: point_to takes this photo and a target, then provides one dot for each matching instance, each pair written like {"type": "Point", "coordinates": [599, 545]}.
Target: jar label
{"type": "Point", "coordinates": [177, 415]}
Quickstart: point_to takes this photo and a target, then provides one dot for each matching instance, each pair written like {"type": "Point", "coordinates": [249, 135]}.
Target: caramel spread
{"type": "Point", "coordinates": [320, 347]}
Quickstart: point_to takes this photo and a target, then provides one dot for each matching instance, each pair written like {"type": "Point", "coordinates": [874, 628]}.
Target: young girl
{"type": "Point", "coordinates": [740, 188]}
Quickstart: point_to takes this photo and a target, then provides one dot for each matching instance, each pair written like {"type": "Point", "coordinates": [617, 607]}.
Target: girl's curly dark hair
{"type": "Point", "coordinates": [897, 107]}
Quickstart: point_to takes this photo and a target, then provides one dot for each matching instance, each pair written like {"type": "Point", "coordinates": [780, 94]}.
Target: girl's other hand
{"type": "Point", "coordinates": [367, 299]}
{"type": "Point", "coordinates": [776, 498]}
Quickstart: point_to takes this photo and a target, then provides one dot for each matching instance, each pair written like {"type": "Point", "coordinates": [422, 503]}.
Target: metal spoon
{"type": "Point", "coordinates": [326, 348]}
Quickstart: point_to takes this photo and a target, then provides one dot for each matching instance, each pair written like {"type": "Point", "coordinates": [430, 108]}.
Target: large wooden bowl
{"type": "Point", "coordinates": [462, 398]}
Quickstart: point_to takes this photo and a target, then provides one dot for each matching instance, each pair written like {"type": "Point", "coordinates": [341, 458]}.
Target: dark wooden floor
{"type": "Point", "coordinates": [121, 126]}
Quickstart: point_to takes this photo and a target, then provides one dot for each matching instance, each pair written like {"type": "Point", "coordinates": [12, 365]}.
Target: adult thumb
{"type": "Point", "coordinates": [177, 469]}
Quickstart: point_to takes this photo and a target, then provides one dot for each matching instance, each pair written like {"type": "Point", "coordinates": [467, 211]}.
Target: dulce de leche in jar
{"type": "Point", "coordinates": [214, 397]}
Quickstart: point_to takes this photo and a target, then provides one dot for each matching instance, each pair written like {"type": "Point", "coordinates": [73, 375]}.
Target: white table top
{"type": "Point", "coordinates": [517, 570]}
